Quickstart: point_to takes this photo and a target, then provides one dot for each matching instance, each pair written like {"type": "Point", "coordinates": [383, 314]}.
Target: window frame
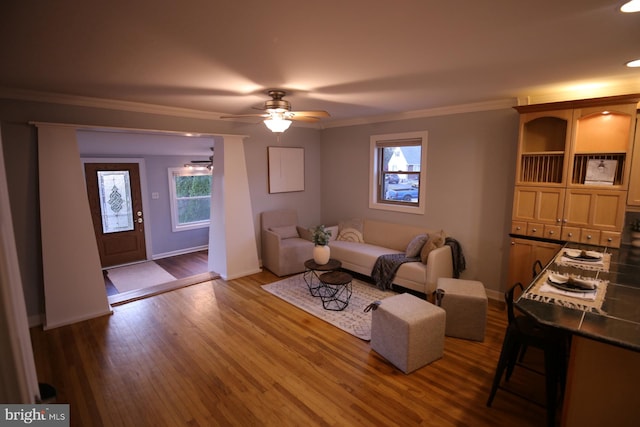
{"type": "Point", "coordinates": [376, 184]}
{"type": "Point", "coordinates": [173, 199]}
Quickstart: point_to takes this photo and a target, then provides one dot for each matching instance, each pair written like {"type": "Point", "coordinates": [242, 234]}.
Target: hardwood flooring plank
{"type": "Point", "coordinates": [229, 353]}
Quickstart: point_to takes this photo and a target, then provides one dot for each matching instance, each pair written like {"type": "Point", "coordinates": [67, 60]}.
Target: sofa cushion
{"type": "Point", "coordinates": [350, 235]}
{"type": "Point", "coordinates": [305, 233]}
{"type": "Point", "coordinates": [285, 231]}
{"type": "Point", "coordinates": [415, 245]}
{"type": "Point", "coordinates": [361, 257]}
{"type": "Point", "coordinates": [434, 241]}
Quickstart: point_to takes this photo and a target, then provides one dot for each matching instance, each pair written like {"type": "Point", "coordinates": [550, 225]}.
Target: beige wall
{"type": "Point", "coordinates": [470, 175]}
{"type": "Point", "coordinates": [470, 172]}
{"type": "Point", "coordinates": [20, 150]}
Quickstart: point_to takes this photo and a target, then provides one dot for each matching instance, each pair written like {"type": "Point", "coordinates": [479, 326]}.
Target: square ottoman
{"type": "Point", "coordinates": [465, 302]}
{"type": "Point", "coordinates": [408, 331]}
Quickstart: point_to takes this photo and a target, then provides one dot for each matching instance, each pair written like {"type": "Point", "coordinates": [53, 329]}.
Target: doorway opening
{"type": "Point", "coordinates": [184, 269]}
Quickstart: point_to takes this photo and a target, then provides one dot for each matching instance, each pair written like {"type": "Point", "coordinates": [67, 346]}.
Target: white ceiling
{"type": "Point", "coordinates": [353, 58]}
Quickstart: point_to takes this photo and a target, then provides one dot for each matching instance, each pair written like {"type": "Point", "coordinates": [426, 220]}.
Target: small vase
{"type": "Point", "coordinates": [321, 254]}
{"type": "Point", "coordinates": [635, 239]}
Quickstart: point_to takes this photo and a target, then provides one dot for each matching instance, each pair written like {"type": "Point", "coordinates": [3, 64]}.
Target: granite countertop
{"type": "Point", "coordinates": [615, 319]}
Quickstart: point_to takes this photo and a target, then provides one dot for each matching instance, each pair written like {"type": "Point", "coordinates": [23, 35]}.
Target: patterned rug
{"type": "Point", "coordinates": [352, 319]}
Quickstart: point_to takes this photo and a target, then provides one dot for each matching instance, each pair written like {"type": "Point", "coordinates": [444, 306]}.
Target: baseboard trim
{"type": "Point", "coordinates": [70, 321]}
{"type": "Point", "coordinates": [179, 252]}
{"type": "Point", "coordinates": [36, 320]}
{"type": "Point", "coordinates": [495, 295]}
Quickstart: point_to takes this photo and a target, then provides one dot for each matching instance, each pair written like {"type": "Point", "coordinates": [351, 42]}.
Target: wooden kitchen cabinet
{"type": "Point", "coordinates": [523, 253]}
{"type": "Point", "coordinates": [633, 198]}
{"type": "Point", "coordinates": [540, 205]}
{"type": "Point", "coordinates": [573, 170]}
{"type": "Point", "coordinates": [544, 142]}
{"type": "Point", "coordinates": [599, 209]}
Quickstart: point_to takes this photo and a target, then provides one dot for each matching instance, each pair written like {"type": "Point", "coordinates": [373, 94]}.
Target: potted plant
{"type": "Point", "coordinates": [320, 237]}
{"type": "Point", "coordinates": [635, 232]}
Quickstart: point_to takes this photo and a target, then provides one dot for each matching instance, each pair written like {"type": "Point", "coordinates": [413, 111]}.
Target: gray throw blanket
{"type": "Point", "coordinates": [384, 270]}
{"type": "Point", "coordinates": [459, 263]}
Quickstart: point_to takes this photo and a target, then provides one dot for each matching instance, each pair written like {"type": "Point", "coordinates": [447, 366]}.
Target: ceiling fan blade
{"type": "Point", "coordinates": [303, 119]}
{"type": "Point", "coordinates": [310, 113]}
{"type": "Point", "coordinates": [239, 116]}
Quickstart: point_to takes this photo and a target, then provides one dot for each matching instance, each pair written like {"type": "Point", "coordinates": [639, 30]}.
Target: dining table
{"type": "Point", "coordinates": [593, 293]}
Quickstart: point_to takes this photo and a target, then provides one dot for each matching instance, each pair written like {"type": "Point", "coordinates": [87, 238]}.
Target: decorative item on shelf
{"type": "Point", "coordinates": [600, 172]}
{"type": "Point", "coordinates": [321, 251]}
{"type": "Point", "coordinates": [635, 233]}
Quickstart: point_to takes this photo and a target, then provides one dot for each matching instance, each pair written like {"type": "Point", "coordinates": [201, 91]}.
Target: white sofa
{"type": "Point", "coordinates": [286, 246]}
{"type": "Point", "coordinates": [382, 238]}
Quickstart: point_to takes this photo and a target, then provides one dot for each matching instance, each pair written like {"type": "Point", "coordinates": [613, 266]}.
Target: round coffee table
{"type": "Point", "coordinates": [311, 272]}
{"type": "Point", "coordinates": [335, 290]}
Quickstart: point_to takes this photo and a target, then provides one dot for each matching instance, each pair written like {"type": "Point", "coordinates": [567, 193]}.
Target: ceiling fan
{"type": "Point", "coordinates": [278, 115]}
{"type": "Point", "coordinates": [201, 163]}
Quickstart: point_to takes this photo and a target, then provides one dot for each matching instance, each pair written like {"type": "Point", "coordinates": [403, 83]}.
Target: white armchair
{"type": "Point", "coordinates": [284, 251]}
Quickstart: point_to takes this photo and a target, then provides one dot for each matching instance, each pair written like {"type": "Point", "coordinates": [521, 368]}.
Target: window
{"type": "Point", "coordinates": [190, 192]}
{"type": "Point", "coordinates": [397, 178]}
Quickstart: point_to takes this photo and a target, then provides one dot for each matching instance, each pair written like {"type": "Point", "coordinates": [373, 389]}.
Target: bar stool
{"type": "Point", "coordinates": [537, 268]}
{"type": "Point", "coordinates": [525, 331]}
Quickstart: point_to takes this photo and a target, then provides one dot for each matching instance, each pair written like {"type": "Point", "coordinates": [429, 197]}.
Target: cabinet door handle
{"type": "Point", "coordinates": [570, 234]}
{"type": "Point", "coordinates": [564, 220]}
{"type": "Point", "coordinates": [518, 228]}
{"type": "Point", "coordinates": [533, 230]}
{"type": "Point", "coordinates": [551, 232]}
{"type": "Point", "coordinates": [609, 239]}
{"type": "Point", "coordinates": [588, 236]}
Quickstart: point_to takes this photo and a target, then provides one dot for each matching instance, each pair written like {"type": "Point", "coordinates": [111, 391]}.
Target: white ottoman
{"type": "Point", "coordinates": [408, 331]}
{"type": "Point", "coordinates": [465, 302]}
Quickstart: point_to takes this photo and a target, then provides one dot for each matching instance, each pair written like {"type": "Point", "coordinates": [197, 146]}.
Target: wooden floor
{"type": "Point", "coordinates": [230, 354]}
{"type": "Point", "coordinates": [179, 266]}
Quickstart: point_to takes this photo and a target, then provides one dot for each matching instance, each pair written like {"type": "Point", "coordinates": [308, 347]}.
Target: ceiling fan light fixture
{"type": "Point", "coordinates": [276, 124]}
{"type": "Point", "coordinates": [633, 64]}
{"type": "Point", "coordinates": [631, 6]}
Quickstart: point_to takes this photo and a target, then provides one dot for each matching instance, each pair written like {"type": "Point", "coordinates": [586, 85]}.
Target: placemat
{"type": "Point", "coordinates": [543, 292]}
{"type": "Point", "coordinates": [603, 265]}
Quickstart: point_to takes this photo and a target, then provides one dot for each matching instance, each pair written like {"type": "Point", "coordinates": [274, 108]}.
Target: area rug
{"type": "Point", "coordinates": [352, 319]}
{"type": "Point", "coordinates": [138, 276]}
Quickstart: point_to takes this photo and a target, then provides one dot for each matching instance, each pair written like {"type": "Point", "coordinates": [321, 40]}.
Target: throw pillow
{"type": "Point", "coordinates": [355, 223]}
{"type": "Point", "coordinates": [434, 241]}
{"type": "Point", "coordinates": [350, 235]}
{"type": "Point", "coordinates": [415, 245]}
{"type": "Point", "coordinates": [305, 233]}
{"type": "Point", "coordinates": [286, 231]}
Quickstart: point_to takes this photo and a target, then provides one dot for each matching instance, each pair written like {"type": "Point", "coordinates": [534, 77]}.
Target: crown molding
{"type": "Point", "coordinates": [622, 87]}
{"type": "Point", "coordinates": [112, 104]}
{"type": "Point", "coordinates": [139, 107]}
{"type": "Point", "coordinates": [431, 112]}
